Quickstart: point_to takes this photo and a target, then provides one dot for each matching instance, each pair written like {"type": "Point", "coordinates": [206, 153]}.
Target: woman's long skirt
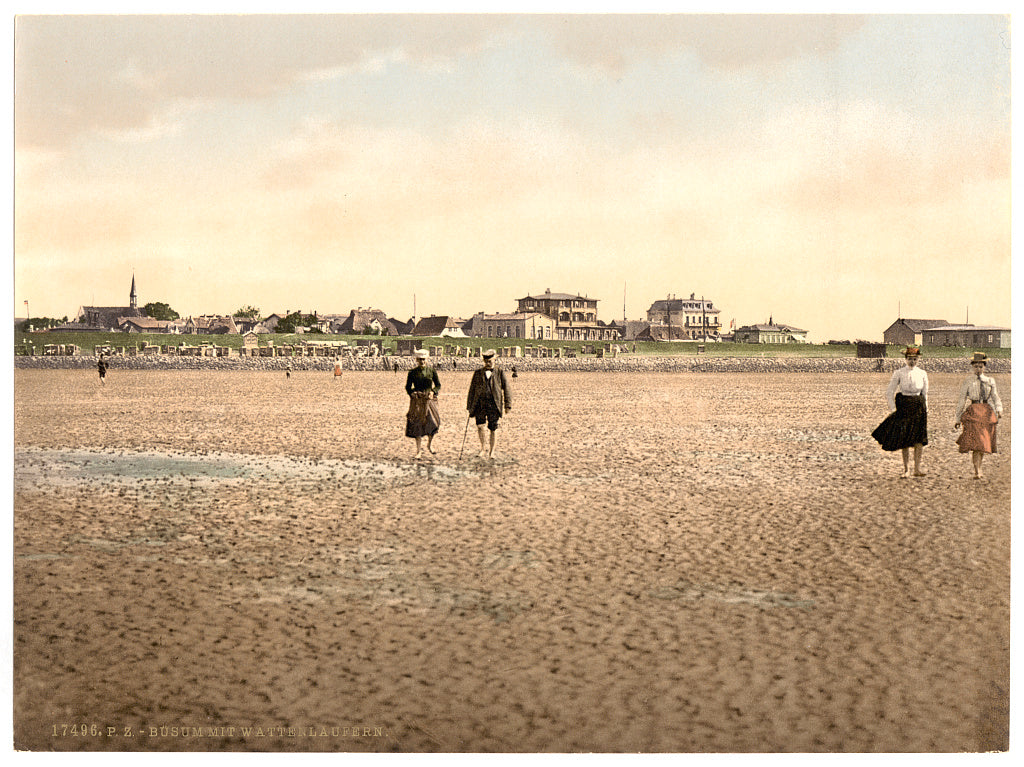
{"type": "Point", "coordinates": [904, 427]}
{"type": "Point", "coordinates": [979, 429]}
{"type": "Point", "coordinates": [423, 418]}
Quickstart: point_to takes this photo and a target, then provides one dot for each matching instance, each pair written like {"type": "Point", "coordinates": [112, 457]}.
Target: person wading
{"type": "Point", "coordinates": [423, 418]}
{"type": "Point", "coordinates": [907, 426]}
{"type": "Point", "coordinates": [489, 397]}
{"type": "Point", "coordinates": [978, 411]}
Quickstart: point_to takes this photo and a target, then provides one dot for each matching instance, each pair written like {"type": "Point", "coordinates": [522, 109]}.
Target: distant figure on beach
{"type": "Point", "coordinates": [907, 426]}
{"type": "Point", "coordinates": [454, 365]}
{"type": "Point", "coordinates": [978, 412]}
{"type": "Point", "coordinates": [337, 370]}
{"type": "Point", "coordinates": [489, 397]}
{"type": "Point", "coordinates": [101, 366]}
{"type": "Point", "coordinates": [288, 371]}
{"type": "Point", "coordinates": [396, 367]}
{"type": "Point", "coordinates": [515, 373]}
{"type": "Point", "coordinates": [423, 418]}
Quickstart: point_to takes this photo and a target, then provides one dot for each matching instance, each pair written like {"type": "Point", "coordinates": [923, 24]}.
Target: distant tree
{"type": "Point", "coordinates": [248, 313]}
{"type": "Point", "coordinates": [160, 311]}
{"type": "Point", "coordinates": [288, 323]}
{"type": "Point", "coordinates": [40, 323]}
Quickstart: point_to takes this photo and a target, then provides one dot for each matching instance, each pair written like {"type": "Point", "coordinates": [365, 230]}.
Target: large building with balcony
{"type": "Point", "coordinates": [696, 318]}
{"type": "Point", "coordinates": [575, 316]}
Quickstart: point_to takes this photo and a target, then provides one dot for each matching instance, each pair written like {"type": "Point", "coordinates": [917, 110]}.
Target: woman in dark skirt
{"type": "Point", "coordinates": [423, 418]}
{"type": "Point", "coordinates": [978, 413]}
{"type": "Point", "coordinates": [907, 426]}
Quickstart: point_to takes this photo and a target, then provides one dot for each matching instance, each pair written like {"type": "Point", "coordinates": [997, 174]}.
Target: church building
{"type": "Point", "coordinates": [109, 317]}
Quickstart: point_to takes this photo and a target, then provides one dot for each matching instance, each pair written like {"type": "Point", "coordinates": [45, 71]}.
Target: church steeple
{"type": "Point", "coordinates": [133, 297]}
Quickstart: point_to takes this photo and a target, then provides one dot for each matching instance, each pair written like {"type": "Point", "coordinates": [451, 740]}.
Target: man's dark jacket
{"type": "Point", "coordinates": [498, 386]}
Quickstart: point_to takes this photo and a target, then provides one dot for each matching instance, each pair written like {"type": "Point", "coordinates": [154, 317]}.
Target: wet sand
{"type": "Point", "coordinates": [210, 561]}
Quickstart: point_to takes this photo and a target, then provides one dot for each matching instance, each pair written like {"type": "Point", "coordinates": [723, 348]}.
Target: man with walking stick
{"type": "Point", "coordinates": [489, 397]}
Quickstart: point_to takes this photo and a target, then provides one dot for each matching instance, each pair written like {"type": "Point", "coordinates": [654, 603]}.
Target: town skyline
{"type": "Point", "coordinates": [725, 323]}
{"type": "Point", "coordinates": [834, 172]}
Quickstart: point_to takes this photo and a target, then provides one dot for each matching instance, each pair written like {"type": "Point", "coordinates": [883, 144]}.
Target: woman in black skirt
{"type": "Point", "coordinates": [907, 426]}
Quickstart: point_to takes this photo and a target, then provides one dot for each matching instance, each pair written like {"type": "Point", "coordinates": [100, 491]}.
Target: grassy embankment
{"type": "Point", "coordinates": [88, 341]}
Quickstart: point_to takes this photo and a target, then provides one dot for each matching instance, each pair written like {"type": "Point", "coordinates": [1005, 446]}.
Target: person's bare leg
{"type": "Point", "coordinates": [481, 431]}
{"type": "Point", "coordinates": [976, 457]}
{"type": "Point", "coordinates": [918, 471]}
{"type": "Point", "coordinates": [419, 450]}
{"type": "Point", "coordinates": [494, 436]}
{"type": "Point", "coordinates": [906, 462]}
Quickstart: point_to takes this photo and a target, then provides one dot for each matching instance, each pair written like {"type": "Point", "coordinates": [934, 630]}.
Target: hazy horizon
{"type": "Point", "coordinates": [831, 172]}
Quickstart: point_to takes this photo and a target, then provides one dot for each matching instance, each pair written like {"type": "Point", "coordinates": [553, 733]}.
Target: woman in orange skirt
{"type": "Point", "coordinates": [978, 413]}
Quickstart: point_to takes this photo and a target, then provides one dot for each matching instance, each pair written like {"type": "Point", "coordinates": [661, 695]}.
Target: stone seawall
{"type": "Point", "coordinates": [623, 364]}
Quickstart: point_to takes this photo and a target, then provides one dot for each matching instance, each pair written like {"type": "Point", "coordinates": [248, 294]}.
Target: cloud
{"type": "Point", "coordinates": [726, 41]}
{"type": "Point", "coordinates": [76, 74]}
{"type": "Point", "coordinates": [111, 74]}
{"type": "Point", "coordinates": [864, 154]}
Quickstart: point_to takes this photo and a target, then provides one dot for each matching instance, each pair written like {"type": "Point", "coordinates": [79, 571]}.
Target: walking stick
{"type": "Point", "coordinates": [464, 435]}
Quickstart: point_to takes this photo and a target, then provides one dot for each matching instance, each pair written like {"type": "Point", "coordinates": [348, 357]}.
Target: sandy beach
{"type": "Point", "coordinates": [240, 561]}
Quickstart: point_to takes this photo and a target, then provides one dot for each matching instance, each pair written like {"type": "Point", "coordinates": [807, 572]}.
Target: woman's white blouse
{"type": "Point", "coordinates": [908, 381]}
{"type": "Point", "coordinates": [970, 391]}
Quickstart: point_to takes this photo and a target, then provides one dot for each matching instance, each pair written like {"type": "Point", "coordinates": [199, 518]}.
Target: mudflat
{"type": "Point", "coordinates": [240, 561]}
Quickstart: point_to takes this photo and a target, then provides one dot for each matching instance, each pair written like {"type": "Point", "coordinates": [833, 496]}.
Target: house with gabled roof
{"type": "Point", "coordinates": [361, 320]}
{"type": "Point", "coordinates": [270, 322]}
{"type": "Point", "coordinates": [440, 326]}
{"type": "Point", "coordinates": [628, 330]}
{"type": "Point", "coordinates": [222, 326]}
{"type": "Point", "coordinates": [147, 325]}
{"type": "Point", "coordinates": [403, 328]}
{"type": "Point", "coordinates": [530, 325]}
{"type": "Point", "coordinates": [908, 332]}
{"type": "Point", "coordinates": [209, 325]}
{"type": "Point", "coordinates": [662, 332]}
{"type": "Point", "coordinates": [245, 324]}
{"type": "Point", "coordinates": [770, 333]}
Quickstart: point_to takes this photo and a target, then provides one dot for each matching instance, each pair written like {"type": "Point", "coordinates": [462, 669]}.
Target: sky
{"type": "Point", "coordinates": [830, 172]}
